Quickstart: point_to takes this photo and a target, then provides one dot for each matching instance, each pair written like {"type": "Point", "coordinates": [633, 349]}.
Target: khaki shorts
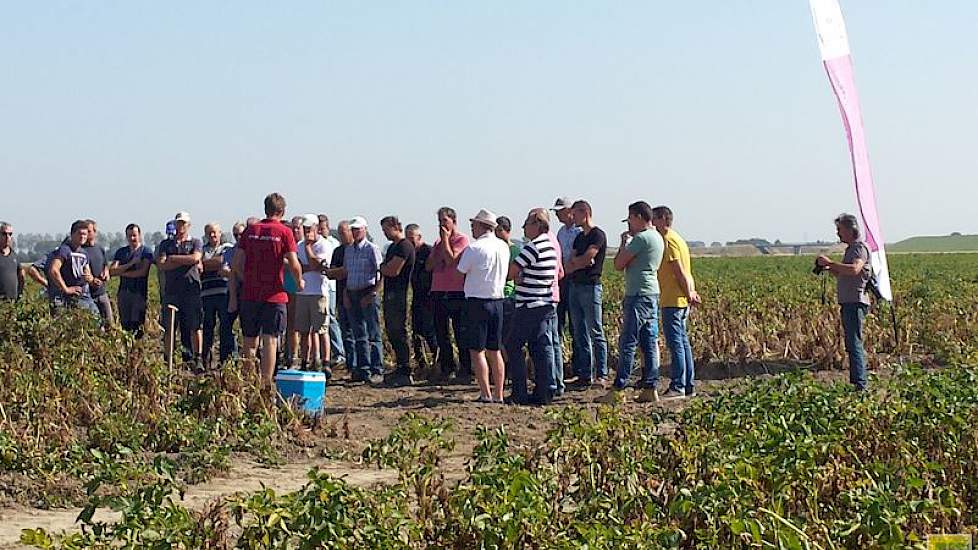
{"type": "Point", "coordinates": [310, 312]}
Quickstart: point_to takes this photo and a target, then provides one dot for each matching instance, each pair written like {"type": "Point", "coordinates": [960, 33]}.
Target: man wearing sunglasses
{"type": "Point", "coordinates": [11, 273]}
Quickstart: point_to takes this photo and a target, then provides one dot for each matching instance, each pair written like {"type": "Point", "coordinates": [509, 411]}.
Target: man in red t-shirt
{"type": "Point", "coordinates": [263, 251]}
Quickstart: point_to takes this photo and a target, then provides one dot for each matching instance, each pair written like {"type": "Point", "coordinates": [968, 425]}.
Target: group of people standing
{"type": "Point", "coordinates": [477, 303]}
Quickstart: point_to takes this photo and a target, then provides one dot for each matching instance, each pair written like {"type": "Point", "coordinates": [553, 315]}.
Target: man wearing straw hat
{"type": "Point", "coordinates": [485, 263]}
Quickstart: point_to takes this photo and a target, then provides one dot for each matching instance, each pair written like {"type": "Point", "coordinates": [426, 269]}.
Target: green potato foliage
{"type": "Point", "coordinates": [788, 462]}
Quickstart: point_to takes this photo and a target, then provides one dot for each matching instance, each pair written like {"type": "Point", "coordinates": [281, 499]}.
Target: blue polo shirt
{"type": "Point", "coordinates": [362, 262]}
{"type": "Point", "coordinates": [136, 285]}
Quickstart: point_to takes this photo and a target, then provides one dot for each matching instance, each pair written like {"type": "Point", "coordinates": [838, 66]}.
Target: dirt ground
{"type": "Point", "coordinates": [358, 413]}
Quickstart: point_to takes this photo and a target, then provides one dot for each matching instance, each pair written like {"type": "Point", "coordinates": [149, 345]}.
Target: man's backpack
{"type": "Point", "coordinates": [872, 282]}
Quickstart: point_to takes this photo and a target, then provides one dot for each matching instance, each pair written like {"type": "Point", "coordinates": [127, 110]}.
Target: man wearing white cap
{"type": "Point", "coordinates": [312, 302]}
{"type": "Point", "coordinates": [179, 260]}
{"type": "Point", "coordinates": [361, 269]}
{"type": "Point", "coordinates": [485, 264]}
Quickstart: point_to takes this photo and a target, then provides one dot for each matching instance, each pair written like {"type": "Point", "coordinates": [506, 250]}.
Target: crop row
{"type": "Point", "coordinates": [785, 463]}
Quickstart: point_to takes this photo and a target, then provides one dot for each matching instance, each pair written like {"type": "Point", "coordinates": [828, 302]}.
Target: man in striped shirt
{"type": "Point", "coordinates": [214, 294]}
{"type": "Point", "coordinates": [535, 271]}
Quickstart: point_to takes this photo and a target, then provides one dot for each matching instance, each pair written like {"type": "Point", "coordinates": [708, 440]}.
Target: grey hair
{"type": "Point", "coordinates": [850, 222]}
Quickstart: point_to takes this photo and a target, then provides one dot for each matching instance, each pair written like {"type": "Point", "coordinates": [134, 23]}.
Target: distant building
{"type": "Point", "coordinates": [754, 242]}
{"type": "Point", "coordinates": [696, 244]}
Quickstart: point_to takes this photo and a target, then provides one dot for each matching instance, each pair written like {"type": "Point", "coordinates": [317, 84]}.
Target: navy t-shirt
{"type": "Point", "coordinates": [73, 262]}
{"type": "Point", "coordinates": [133, 284]}
{"type": "Point", "coordinates": [186, 278]}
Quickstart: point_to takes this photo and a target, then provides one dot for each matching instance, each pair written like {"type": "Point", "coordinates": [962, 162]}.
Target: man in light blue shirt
{"type": "Point", "coordinates": [361, 267]}
{"type": "Point", "coordinates": [565, 237]}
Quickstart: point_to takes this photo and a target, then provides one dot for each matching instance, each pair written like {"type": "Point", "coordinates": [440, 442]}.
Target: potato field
{"type": "Point", "coordinates": [95, 423]}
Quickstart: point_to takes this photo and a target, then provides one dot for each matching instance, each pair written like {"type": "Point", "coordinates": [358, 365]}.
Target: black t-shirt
{"type": "Point", "coordinates": [9, 279]}
{"type": "Point", "coordinates": [401, 249]}
{"type": "Point", "coordinates": [337, 261]}
{"type": "Point", "coordinates": [583, 241]}
{"type": "Point", "coordinates": [137, 285]}
{"type": "Point", "coordinates": [421, 277]}
{"type": "Point", "coordinates": [96, 262]}
{"type": "Point", "coordinates": [186, 278]}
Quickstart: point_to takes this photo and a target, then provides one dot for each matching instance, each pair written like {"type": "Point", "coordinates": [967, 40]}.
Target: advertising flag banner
{"type": "Point", "coordinates": [833, 42]}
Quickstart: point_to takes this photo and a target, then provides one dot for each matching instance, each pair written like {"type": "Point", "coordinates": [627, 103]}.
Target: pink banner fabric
{"type": "Point", "coordinates": [840, 72]}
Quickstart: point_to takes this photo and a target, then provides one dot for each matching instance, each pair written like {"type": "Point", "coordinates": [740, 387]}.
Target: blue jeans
{"type": "Point", "coordinates": [337, 349]}
{"type": "Point", "coordinates": [216, 310]}
{"type": "Point", "coordinates": [365, 325]}
{"type": "Point", "coordinates": [61, 303]}
{"type": "Point", "coordinates": [853, 316]}
{"type": "Point", "coordinates": [557, 337]}
{"type": "Point", "coordinates": [639, 328]}
{"type": "Point", "coordinates": [534, 328]}
{"type": "Point", "coordinates": [346, 332]}
{"type": "Point", "coordinates": [674, 324]}
{"type": "Point", "coordinates": [590, 346]}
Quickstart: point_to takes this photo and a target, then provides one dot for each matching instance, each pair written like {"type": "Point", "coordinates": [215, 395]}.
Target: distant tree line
{"type": "Point", "coordinates": [30, 247]}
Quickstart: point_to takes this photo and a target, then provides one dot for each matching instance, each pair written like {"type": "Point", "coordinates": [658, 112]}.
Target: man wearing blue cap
{"type": "Point", "coordinates": [170, 230]}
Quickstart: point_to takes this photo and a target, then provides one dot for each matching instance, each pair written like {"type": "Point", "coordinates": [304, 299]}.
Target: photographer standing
{"type": "Point", "coordinates": [851, 274]}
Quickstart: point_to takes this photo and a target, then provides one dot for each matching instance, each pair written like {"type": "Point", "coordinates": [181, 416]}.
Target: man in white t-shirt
{"type": "Point", "coordinates": [312, 302]}
{"type": "Point", "coordinates": [485, 263]}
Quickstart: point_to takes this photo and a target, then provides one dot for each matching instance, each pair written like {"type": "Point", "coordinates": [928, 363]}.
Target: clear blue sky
{"type": "Point", "coordinates": [129, 111]}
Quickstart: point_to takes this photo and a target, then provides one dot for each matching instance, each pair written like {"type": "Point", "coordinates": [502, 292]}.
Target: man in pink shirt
{"type": "Point", "coordinates": [448, 295]}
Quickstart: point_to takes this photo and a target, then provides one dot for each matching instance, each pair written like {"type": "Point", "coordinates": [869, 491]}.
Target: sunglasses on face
{"type": "Point", "coordinates": [7, 233]}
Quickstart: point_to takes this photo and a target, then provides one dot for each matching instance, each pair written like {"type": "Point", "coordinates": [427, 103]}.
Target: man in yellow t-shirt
{"type": "Point", "coordinates": [676, 294]}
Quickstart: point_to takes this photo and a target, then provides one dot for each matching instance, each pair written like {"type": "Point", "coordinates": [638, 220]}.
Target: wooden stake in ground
{"type": "Point", "coordinates": [169, 335]}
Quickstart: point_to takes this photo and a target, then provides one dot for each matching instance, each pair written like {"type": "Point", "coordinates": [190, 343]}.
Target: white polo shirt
{"type": "Point", "coordinates": [331, 245]}
{"type": "Point", "coordinates": [485, 263]}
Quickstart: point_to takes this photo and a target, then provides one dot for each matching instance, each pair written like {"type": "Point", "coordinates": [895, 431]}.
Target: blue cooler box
{"type": "Point", "coordinates": [310, 387]}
